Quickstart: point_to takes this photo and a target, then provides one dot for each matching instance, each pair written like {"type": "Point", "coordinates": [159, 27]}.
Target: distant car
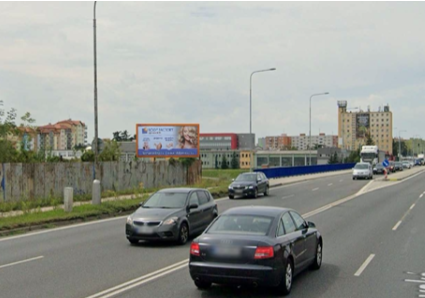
{"type": "Point", "coordinates": [249, 184]}
{"type": "Point", "coordinates": [379, 169]}
{"type": "Point", "coordinates": [264, 246]}
{"type": "Point", "coordinates": [406, 164]}
{"type": "Point", "coordinates": [362, 170]}
{"type": "Point", "coordinates": [172, 214]}
{"type": "Point", "coordinates": [398, 166]}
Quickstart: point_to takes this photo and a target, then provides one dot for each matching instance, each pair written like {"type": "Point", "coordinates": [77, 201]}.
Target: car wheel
{"type": "Point", "coordinates": [266, 193]}
{"type": "Point", "coordinates": [133, 241]}
{"type": "Point", "coordinates": [255, 193]}
{"type": "Point", "coordinates": [231, 197]}
{"type": "Point", "coordinates": [183, 233]}
{"type": "Point", "coordinates": [200, 284]}
{"type": "Point", "coordinates": [319, 256]}
{"type": "Point", "coordinates": [286, 283]}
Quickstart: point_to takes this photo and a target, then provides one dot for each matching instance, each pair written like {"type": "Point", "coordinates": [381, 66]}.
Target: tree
{"type": "Point", "coordinates": [369, 140]}
{"type": "Point", "coordinates": [224, 162]}
{"type": "Point", "coordinates": [353, 157]}
{"type": "Point", "coordinates": [234, 163]}
{"type": "Point", "coordinates": [123, 136]}
{"type": "Point", "coordinates": [333, 159]}
{"type": "Point", "coordinates": [111, 151]}
{"type": "Point", "coordinates": [28, 120]}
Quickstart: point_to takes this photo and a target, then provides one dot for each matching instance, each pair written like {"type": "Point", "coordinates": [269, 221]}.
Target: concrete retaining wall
{"type": "Point", "coordinates": [43, 180]}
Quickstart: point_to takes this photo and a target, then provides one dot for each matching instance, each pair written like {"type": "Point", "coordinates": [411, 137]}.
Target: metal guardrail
{"type": "Point", "coordinates": [280, 172]}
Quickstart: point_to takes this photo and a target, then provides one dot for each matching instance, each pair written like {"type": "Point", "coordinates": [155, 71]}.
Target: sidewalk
{"type": "Point", "coordinates": [50, 208]}
{"type": "Point", "coordinates": [394, 178]}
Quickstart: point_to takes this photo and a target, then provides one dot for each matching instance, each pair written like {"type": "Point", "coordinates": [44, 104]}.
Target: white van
{"type": "Point", "coordinates": [362, 170]}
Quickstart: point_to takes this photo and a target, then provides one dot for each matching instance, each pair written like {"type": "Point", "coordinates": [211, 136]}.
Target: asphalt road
{"type": "Point", "coordinates": [86, 260]}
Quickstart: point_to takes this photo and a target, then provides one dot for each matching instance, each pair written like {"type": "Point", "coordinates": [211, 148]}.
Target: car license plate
{"type": "Point", "coordinates": [144, 230]}
{"type": "Point", "coordinates": [228, 251]}
{"type": "Point", "coordinates": [238, 191]}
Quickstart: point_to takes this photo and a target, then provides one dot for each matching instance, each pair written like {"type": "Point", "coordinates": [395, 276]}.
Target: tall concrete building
{"type": "Point", "coordinates": [355, 127]}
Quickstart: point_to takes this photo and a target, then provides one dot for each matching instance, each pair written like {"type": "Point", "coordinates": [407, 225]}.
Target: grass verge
{"type": "Point", "coordinates": [33, 218]}
{"type": "Point", "coordinates": [37, 219]}
{"type": "Point", "coordinates": [219, 173]}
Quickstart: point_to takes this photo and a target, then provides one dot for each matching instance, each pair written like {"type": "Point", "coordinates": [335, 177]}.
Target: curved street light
{"type": "Point", "coordinates": [250, 109]}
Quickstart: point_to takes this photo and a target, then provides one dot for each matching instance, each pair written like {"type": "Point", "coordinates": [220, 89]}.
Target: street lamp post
{"type": "Point", "coordinates": [399, 144]}
{"type": "Point", "coordinates": [250, 107]}
{"type": "Point", "coordinates": [309, 151]}
{"type": "Point", "coordinates": [413, 144]}
{"type": "Point", "coordinates": [96, 149]}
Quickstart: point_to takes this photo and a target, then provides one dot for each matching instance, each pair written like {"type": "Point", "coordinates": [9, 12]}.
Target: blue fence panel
{"type": "Point", "coordinates": [280, 172]}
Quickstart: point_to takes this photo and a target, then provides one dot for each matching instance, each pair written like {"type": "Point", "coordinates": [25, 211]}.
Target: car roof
{"type": "Point", "coordinates": [180, 189]}
{"type": "Point", "coordinates": [257, 210]}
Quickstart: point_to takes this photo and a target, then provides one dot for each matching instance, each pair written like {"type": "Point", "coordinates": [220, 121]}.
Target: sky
{"type": "Point", "coordinates": [190, 62]}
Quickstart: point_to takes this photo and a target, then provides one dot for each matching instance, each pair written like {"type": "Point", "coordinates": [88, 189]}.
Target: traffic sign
{"type": "Point", "coordinates": [386, 163]}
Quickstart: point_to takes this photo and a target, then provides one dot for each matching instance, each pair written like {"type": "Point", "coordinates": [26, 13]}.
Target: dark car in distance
{"type": "Point", "coordinates": [380, 169]}
{"type": "Point", "coordinates": [264, 246]}
{"type": "Point", "coordinates": [172, 214]}
{"type": "Point", "coordinates": [249, 184]}
{"type": "Point", "coordinates": [398, 166]}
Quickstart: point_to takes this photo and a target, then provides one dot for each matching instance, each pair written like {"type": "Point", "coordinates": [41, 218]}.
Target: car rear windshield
{"type": "Point", "coordinates": [247, 177]}
{"type": "Point", "coordinates": [166, 200]}
{"type": "Point", "coordinates": [361, 166]}
{"type": "Point", "coordinates": [241, 224]}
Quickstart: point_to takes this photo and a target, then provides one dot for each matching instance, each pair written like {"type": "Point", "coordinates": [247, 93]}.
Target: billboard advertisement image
{"type": "Point", "coordinates": [362, 125]}
{"type": "Point", "coordinates": [167, 140]}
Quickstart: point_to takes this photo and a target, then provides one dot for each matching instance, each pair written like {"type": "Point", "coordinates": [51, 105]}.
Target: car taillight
{"type": "Point", "coordinates": [194, 249]}
{"type": "Point", "coordinates": [264, 252]}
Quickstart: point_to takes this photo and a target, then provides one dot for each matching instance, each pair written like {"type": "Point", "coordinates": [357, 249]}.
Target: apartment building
{"type": "Point", "coordinates": [64, 135]}
{"type": "Point", "coordinates": [354, 128]}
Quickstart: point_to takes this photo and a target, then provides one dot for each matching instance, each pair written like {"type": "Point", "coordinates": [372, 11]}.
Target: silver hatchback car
{"type": "Point", "coordinates": [362, 170]}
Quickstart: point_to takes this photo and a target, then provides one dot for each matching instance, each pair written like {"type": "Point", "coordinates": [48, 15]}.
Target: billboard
{"type": "Point", "coordinates": [167, 140]}
{"type": "Point", "coordinates": [362, 125]}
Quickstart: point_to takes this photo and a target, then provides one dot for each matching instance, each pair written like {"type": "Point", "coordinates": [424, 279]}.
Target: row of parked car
{"type": "Point", "coordinates": [366, 170]}
{"type": "Point", "coordinates": [255, 245]}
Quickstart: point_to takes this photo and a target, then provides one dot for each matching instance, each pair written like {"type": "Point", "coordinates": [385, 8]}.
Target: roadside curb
{"type": "Point", "coordinates": [402, 178]}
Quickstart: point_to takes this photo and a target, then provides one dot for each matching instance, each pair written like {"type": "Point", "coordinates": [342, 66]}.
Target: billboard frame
{"type": "Point", "coordinates": [167, 124]}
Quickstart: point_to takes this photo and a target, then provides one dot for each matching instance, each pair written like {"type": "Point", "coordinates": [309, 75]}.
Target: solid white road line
{"type": "Point", "coordinates": [421, 195]}
{"type": "Point", "coordinates": [287, 197]}
{"type": "Point", "coordinates": [144, 281]}
{"type": "Point", "coordinates": [397, 225]}
{"type": "Point", "coordinates": [363, 267]}
{"type": "Point", "coordinates": [314, 189]}
{"type": "Point", "coordinates": [144, 278]}
{"type": "Point", "coordinates": [20, 262]}
{"type": "Point", "coordinates": [413, 206]}
{"type": "Point", "coordinates": [413, 280]}
{"type": "Point", "coordinates": [330, 184]}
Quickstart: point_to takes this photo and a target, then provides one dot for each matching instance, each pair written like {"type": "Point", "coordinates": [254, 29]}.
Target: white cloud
{"type": "Point", "coordinates": [191, 62]}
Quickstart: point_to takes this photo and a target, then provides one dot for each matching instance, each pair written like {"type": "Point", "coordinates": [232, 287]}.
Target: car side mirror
{"type": "Point", "coordinates": [193, 206]}
{"type": "Point", "coordinates": [141, 204]}
{"type": "Point", "coordinates": [311, 224]}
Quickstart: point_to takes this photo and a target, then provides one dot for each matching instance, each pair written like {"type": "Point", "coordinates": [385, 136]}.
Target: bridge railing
{"type": "Point", "coordinates": [280, 172]}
